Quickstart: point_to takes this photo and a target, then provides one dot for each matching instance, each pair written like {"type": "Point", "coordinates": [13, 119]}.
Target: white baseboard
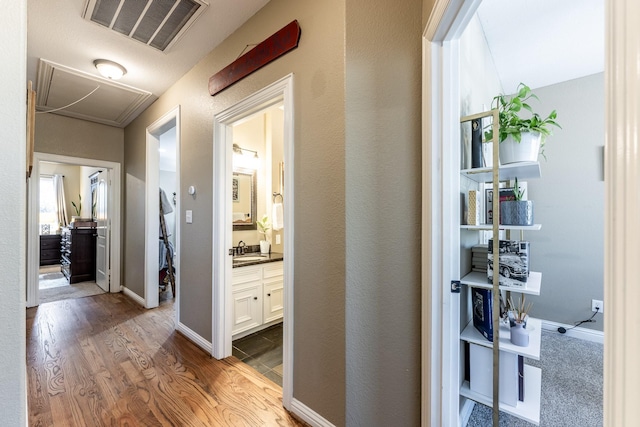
{"type": "Point", "coordinates": [580, 333]}
{"type": "Point", "coordinates": [195, 338]}
{"type": "Point", "coordinates": [465, 412]}
{"type": "Point", "coordinates": [137, 298]}
{"type": "Point", "coordinates": [308, 415]}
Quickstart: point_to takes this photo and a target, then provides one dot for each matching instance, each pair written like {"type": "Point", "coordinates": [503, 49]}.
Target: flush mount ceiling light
{"type": "Point", "coordinates": [109, 69]}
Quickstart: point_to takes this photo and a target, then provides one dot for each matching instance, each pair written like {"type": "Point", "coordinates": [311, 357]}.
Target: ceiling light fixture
{"type": "Point", "coordinates": [109, 69]}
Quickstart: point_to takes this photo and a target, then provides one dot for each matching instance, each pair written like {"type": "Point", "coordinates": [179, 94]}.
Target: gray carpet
{"type": "Point", "coordinates": [571, 386]}
{"type": "Point", "coordinates": [53, 286]}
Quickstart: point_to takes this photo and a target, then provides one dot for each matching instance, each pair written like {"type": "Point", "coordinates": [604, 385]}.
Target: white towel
{"type": "Point", "coordinates": [277, 216]}
{"type": "Point", "coordinates": [166, 206]}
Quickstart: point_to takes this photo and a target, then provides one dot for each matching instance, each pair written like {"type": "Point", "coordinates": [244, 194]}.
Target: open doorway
{"type": "Point", "coordinates": [70, 270]}
{"type": "Point", "coordinates": [68, 267]}
{"type": "Point", "coordinates": [162, 211]}
{"type": "Point", "coordinates": [253, 285]}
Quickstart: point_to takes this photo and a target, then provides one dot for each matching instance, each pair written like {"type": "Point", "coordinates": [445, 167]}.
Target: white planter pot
{"type": "Point", "coordinates": [265, 247]}
{"type": "Point", "coordinates": [512, 151]}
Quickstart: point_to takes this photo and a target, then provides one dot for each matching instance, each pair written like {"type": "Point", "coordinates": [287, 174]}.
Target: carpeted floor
{"type": "Point", "coordinates": [571, 386]}
{"type": "Point", "coordinates": [53, 286]}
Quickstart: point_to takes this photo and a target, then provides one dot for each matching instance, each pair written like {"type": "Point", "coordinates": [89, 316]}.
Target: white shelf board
{"type": "Point", "coordinates": [532, 351]}
{"type": "Point", "coordinates": [529, 410]}
{"type": "Point", "coordinates": [489, 227]}
{"type": "Point", "coordinates": [522, 170]}
{"type": "Point", "coordinates": [479, 280]}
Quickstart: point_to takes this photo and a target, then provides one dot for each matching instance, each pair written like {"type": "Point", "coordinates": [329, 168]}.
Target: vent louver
{"type": "Point", "coordinates": [156, 23]}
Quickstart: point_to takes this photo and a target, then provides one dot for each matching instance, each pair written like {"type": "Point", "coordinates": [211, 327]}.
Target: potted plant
{"type": "Point", "coordinates": [516, 211]}
{"type": "Point", "coordinates": [520, 139]}
{"type": "Point", "coordinates": [263, 227]}
{"type": "Point", "coordinates": [518, 316]}
{"type": "Point", "coordinates": [77, 208]}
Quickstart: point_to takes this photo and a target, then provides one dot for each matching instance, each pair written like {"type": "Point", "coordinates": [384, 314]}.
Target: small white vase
{"type": "Point", "coordinates": [512, 151]}
{"type": "Point", "coordinates": [265, 247]}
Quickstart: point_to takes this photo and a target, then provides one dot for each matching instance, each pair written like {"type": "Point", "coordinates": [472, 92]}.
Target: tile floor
{"type": "Point", "coordinates": [262, 351]}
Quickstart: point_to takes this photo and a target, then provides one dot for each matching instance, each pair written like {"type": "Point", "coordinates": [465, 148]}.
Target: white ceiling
{"type": "Point", "coordinates": [58, 33]}
{"type": "Point", "coordinates": [543, 42]}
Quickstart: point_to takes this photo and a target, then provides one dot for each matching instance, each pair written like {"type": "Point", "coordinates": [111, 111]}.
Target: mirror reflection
{"type": "Point", "coordinates": [243, 195]}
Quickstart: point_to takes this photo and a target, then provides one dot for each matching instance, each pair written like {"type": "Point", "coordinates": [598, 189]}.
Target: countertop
{"type": "Point", "coordinates": [272, 257]}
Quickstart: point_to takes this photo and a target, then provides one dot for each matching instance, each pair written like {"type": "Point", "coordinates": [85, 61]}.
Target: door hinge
{"type": "Point", "coordinates": [455, 286]}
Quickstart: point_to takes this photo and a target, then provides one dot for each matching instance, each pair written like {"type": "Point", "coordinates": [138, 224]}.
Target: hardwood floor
{"type": "Point", "coordinates": [106, 361]}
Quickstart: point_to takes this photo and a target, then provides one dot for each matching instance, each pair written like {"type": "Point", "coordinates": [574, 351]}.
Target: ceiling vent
{"type": "Point", "coordinates": [156, 23]}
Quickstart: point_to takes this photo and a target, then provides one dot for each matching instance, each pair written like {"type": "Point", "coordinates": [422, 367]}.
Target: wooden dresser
{"type": "Point", "coordinates": [78, 247]}
{"type": "Point", "coordinates": [49, 249]}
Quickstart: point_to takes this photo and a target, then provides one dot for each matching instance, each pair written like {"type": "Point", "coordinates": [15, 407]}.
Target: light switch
{"type": "Point", "coordinates": [188, 216]}
{"type": "Point", "coordinates": [277, 239]}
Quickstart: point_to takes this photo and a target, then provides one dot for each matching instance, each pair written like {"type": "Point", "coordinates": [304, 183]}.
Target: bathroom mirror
{"type": "Point", "coordinates": [243, 198]}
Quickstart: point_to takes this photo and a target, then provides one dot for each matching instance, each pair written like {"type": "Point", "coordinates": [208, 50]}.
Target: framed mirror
{"type": "Point", "coordinates": [243, 198]}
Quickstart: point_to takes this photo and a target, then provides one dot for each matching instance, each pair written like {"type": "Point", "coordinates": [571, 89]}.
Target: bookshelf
{"type": "Point", "coordinates": [496, 367]}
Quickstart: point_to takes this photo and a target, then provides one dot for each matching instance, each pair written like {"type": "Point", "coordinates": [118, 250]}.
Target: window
{"type": "Point", "coordinates": [48, 208]}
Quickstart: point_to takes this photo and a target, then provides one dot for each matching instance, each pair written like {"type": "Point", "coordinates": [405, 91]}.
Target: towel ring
{"type": "Point", "coordinates": [275, 197]}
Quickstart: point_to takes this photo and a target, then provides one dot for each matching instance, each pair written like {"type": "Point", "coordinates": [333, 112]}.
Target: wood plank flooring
{"type": "Point", "coordinates": [106, 361]}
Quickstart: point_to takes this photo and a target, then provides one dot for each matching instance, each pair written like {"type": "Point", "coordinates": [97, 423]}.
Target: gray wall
{"type": "Point", "coordinates": [318, 66]}
{"type": "Point", "coordinates": [383, 205]}
{"type": "Point", "coordinates": [569, 203]}
{"type": "Point", "coordinates": [67, 136]}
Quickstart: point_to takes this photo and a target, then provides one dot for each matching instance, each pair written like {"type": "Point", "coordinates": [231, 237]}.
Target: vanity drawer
{"type": "Point", "coordinates": [272, 269]}
{"type": "Point", "coordinates": [247, 274]}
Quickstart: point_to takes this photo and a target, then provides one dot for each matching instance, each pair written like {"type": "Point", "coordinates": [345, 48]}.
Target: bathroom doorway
{"type": "Point", "coordinates": [235, 131]}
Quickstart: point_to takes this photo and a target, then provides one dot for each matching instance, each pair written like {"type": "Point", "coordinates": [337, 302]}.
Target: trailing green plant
{"type": "Point", "coordinates": [511, 122]}
{"type": "Point", "coordinates": [77, 207]}
{"type": "Point", "coordinates": [264, 226]}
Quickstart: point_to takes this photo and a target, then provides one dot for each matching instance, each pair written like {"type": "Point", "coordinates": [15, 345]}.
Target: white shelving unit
{"type": "Point", "coordinates": [487, 362]}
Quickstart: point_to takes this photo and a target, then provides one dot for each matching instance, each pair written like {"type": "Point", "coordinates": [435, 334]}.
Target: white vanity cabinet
{"type": "Point", "coordinates": [257, 293]}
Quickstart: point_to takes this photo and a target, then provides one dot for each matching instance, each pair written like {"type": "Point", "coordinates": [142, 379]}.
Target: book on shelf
{"type": "Point", "coordinates": [513, 265]}
{"type": "Point", "coordinates": [482, 307]}
{"type": "Point", "coordinates": [475, 208]}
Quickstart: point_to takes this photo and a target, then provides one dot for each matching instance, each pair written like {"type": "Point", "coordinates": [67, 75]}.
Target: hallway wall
{"type": "Point", "coordinates": [13, 84]}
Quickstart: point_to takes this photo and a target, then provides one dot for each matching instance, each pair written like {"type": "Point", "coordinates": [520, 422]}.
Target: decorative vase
{"type": "Point", "coordinates": [476, 143]}
{"type": "Point", "coordinates": [516, 212]}
{"type": "Point", "coordinates": [519, 334]}
{"type": "Point", "coordinates": [265, 247]}
{"type": "Point", "coordinates": [512, 151]}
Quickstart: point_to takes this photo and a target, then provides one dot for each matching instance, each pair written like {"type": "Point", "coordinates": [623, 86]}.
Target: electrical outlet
{"type": "Point", "coordinates": [277, 239]}
{"type": "Point", "coordinates": [597, 304]}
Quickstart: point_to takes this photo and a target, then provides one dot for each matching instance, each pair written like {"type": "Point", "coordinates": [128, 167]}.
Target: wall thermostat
{"type": "Point", "coordinates": [192, 190]}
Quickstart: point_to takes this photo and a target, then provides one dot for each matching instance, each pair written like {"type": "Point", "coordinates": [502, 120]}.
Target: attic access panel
{"type": "Point", "coordinates": [156, 23]}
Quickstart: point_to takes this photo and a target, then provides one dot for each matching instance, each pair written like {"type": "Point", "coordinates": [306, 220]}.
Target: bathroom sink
{"type": "Point", "coordinates": [248, 258]}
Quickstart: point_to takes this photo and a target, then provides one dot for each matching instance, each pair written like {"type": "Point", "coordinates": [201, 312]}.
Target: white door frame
{"type": "Point", "coordinates": [281, 90]}
{"type": "Point", "coordinates": [622, 213]}
{"type": "Point", "coordinates": [114, 200]}
{"type": "Point", "coordinates": [440, 177]}
{"type": "Point", "coordinates": [152, 210]}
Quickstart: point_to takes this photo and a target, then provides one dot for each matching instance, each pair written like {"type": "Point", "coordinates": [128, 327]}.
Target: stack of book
{"type": "Point", "coordinates": [479, 258]}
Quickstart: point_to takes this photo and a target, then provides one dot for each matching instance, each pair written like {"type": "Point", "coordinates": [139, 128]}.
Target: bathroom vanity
{"type": "Point", "coordinates": [257, 292]}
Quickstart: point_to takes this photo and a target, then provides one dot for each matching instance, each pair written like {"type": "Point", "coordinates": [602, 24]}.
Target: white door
{"type": "Point", "coordinates": [102, 239]}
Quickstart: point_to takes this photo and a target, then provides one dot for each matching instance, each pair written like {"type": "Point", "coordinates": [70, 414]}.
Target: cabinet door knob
{"type": "Point", "coordinates": [268, 295]}
{"type": "Point", "coordinates": [255, 298]}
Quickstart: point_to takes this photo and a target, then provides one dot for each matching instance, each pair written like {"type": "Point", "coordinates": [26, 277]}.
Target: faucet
{"type": "Point", "coordinates": [240, 248]}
